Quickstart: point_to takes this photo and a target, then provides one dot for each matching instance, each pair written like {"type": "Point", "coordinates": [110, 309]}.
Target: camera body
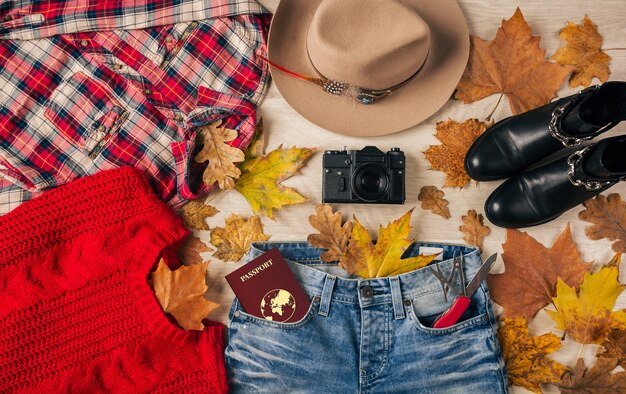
{"type": "Point", "coordinates": [364, 176]}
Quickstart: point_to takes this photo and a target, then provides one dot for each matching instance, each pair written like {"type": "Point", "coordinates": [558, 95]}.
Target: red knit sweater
{"type": "Point", "coordinates": [77, 313]}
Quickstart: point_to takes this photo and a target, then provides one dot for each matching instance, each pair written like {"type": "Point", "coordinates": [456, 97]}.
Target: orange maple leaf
{"type": "Point", "coordinates": [512, 64]}
{"type": "Point", "coordinates": [532, 271]}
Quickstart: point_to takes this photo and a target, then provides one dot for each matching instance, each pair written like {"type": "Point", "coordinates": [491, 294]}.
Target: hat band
{"type": "Point", "coordinates": [345, 89]}
{"type": "Point", "coordinates": [363, 95]}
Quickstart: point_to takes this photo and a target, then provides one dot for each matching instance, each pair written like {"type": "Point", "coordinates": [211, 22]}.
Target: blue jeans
{"type": "Point", "coordinates": [367, 335]}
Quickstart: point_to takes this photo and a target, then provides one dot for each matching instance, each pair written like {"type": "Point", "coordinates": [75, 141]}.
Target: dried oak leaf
{"type": "Point", "coordinates": [473, 229]}
{"type": "Point", "coordinates": [332, 236]}
{"type": "Point", "coordinates": [370, 260]}
{"type": "Point", "coordinates": [233, 240]}
{"type": "Point", "coordinates": [597, 379]}
{"type": "Point", "coordinates": [221, 156]}
{"type": "Point", "coordinates": [614, 346]}
{"type": "Point", "coordinates": [588, 316]}
{"type": "Point", "coordinates": [532, 271]}
{"type": "Point", "coordinates": [195, 212]}
{"type": "Point", "coordinates": [608, 216]}
{"type": "Point", "coordinates": [189, 252]}
{"type": "Point", "coordinates": [526, 358]}
{"type": "Point", "coordinates": [513, 64]}
{"type": "Point", "coordinates": [181, 293]}
{"type": "Point", "coordinates": [432, 199]}
{"type": "Point", "coordinates": [261, 177]}
{"type": "Point", "coordinates": [583, 50]}
{"type": "Point", "coordinates": [456, 138]}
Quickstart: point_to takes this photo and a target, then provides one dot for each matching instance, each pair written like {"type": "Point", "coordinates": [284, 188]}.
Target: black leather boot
{"type": "Point", "coordinates": [516, 142]}
{"type": "Point", "coordinates": [544, 193]}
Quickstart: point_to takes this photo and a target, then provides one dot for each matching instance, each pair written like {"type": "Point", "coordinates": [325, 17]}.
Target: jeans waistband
{"type": "Point", "coordinates": [420, 285]}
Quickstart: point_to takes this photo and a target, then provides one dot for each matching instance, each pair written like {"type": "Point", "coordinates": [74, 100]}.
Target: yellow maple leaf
{"type": "Point", "coordinates": [583, 50]}
{"type": "Point", "coordinates": [588, 317]}
{"type": "Point", "coordinates": [260, 180]}
{"type": "Point", "coordinates": [526, 358]}
{"type": "Point", "coordinates": [181, 293]}
{"type": "Point", "coordinates": [261, 175]}
{"type": "Point", "coordinates": [233, 241]}
{"type": "Point", "coordinates": [370, 260]}
{"type": "Point", "coordinates": [221, 156]}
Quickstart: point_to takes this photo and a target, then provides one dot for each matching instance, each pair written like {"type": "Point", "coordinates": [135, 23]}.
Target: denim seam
{"type": "Point", "coordinates": [369, 379]}
{"type": "Point", "coordinates": [497, 348]}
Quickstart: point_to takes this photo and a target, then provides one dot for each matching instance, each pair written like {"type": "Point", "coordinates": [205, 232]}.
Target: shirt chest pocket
{"type": "Point", "coordinates": [85, 112]}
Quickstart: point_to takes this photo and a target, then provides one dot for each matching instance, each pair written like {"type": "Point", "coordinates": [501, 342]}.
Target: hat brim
{"type": "Point", "coordinates": [421, 97]}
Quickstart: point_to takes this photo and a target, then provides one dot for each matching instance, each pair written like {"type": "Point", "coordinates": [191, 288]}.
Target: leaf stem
{"type": "Point", "coordinates": [580, 352]}
{"type": "Point", "coordinates": [494, 108]}
{"type": "Point", "coordinates": [614, 49]}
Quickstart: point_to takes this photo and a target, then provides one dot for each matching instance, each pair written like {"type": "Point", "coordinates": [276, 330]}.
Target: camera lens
{"type": "Point", "coordinates": [370, 182]}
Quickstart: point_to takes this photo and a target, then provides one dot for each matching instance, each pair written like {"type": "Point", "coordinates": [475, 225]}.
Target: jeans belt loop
{"type": "Point", "coordinates": [327, 295]}
{"type": "Point", "coordinates": [396, 297]}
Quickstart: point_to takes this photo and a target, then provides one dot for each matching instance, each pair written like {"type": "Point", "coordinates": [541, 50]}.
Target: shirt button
{"type": "Point", "coordinates": [407, 302]}
{"type": "Point", "coordinates": [117, 66]}
{"type": "Point", "coordinates": [148, 91]}
{"type": "Point", "coordinates": [367, 291]}
{"type": "Point", "coordinates": [101, 128]}
{"type": "Point", "coordinates": [178, 118]}
{"type": "Point", "coordinates": [6, 18]}
{"type": "Point", "coordinates": [237, 313]}
{"type": "Point", "coordinates": [84, 43]}
{"type": "Point", "coordinates": [168, 40]}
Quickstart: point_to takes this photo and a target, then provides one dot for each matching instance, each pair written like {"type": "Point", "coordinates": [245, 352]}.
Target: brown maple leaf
{"type": "Point", "coordinates": [614, 346]}
{"type": "Point", "coordinates": [474, 232]}
{"type": "Point", "coordinates": [526, 358]}
{"type": "Point", "coordinates": [531, 271]}
{"type": "Point", "coordinates": [456, 138]}
{"type": "Point", "coordinates": [221, 156]}
{"type": "Point", "coordinates": [181, 293]}
{"type": "Point", "coordinates": [583, 50]}
{"type": "Point", "coordinates": [608, 215]}
{"type": "Point", "coordinates": [512, 64]}
{"type": "Point", "coordinates": [189, 252]}
{"type": "Point", "coordinates": [233, 241]}
{"type": "Point", "coordinates": [597, 379]}
{"type": "Point", "coordinates": [332, 236]}
{"type": "Point", "coordinates": [432, 199]}
{"type": "Point", "coordinates": [195, 212]}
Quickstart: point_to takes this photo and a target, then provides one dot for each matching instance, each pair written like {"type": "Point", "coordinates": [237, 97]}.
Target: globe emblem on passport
{"type": "Point", "coordinates": [278, 305]}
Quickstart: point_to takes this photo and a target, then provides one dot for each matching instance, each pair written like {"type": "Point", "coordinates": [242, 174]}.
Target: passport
{"type": "Point", "coordinates": [267, 289]}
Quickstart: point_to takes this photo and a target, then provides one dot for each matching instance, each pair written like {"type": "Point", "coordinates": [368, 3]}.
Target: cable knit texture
{"type": "Point", "coordinates": [77, 313]}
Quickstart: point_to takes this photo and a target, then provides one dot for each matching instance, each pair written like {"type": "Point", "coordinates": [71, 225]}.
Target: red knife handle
{"type": "Point", "coordinates": [452, 315]}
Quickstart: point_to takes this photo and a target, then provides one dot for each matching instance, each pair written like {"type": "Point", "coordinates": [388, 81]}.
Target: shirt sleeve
{"type": "Point", "coordinates": [30, 19]}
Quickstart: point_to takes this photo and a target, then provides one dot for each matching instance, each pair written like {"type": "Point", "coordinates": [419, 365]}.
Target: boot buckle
{"type": "Point", "coordinates": [590, 184]}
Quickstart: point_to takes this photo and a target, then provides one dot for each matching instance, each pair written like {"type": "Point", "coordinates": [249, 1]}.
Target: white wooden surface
{"type": "Point", "coordinates": [285, 126]}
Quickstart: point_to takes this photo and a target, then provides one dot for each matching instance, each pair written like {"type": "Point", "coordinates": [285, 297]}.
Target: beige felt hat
{"type": "Point", "coordinates": [404, 56]}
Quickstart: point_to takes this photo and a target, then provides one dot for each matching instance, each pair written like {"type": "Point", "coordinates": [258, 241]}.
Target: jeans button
{"type": "Point", "coordinates": [367, 291]}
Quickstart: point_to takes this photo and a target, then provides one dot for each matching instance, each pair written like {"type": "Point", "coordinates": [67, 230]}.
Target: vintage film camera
{"type": "Point", "coordinates": [364, 176]}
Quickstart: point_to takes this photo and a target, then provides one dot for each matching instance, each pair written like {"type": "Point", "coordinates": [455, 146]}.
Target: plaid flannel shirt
{"type": "Point", "coordinates": [89, 85]}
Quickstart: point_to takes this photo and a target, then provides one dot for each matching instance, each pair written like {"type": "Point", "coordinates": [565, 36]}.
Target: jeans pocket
{"type": "Point", "coordinates": [238, 315]}
{"type": "Point", "coordinates": [475, 315]}
{"type": "Point", "coordinates": [85, 113]}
